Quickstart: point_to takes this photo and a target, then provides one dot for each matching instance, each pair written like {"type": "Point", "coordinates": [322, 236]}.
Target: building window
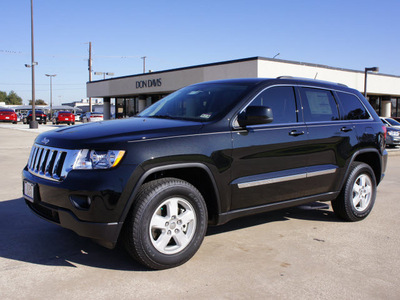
{"type": "Point", "coordinates": [375, 103]}
{"type": "Point", "coordinates": [395, 107]}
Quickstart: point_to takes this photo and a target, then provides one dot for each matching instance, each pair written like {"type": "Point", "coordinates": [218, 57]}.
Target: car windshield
{"type": "Point", "coordinates": [392, 122]}
{"type": "Point", "coordinates": [201, 102]}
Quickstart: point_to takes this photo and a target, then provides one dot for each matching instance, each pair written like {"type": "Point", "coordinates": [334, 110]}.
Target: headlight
{"type": "Point", "coordinates": [95, 159]}
{"type": "Point", "coordinates": [393, 133]}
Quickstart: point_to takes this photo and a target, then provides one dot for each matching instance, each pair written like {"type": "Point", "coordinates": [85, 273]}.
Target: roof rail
{"type": "Point", "coordinates": [310, 79]}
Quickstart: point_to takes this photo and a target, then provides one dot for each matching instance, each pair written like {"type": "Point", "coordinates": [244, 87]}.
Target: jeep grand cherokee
{"type": "Point", "coordinates": [206, 154]}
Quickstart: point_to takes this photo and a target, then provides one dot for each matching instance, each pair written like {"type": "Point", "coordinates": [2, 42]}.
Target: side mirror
{"type": "Point", "coordinates": [255, 115]}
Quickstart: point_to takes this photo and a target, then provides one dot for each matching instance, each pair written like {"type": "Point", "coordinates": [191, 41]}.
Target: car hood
{"type": "Point", "coordinates": [115, 133]}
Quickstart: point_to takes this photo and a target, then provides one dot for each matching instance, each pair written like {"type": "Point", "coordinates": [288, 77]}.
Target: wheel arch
{"type": "Point", "coordinates": [197, 174]}
{"type": "Point", "coordinates": [370, 157]}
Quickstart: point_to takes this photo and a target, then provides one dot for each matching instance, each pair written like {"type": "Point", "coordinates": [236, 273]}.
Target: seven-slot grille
{"type": "Point", "coordinates": [50, 163]}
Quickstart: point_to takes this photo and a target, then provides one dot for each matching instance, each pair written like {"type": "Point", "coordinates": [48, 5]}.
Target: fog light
{"type": "Point", "coordinates": [81, 202]}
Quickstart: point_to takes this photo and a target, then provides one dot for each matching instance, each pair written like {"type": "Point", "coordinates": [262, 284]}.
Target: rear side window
{"type": "Point", "coordinates": [352, 108]}
{"type": "Point", "coordinates": [281, 100]}
{"type": "Point", "coordinates": [319, 105]}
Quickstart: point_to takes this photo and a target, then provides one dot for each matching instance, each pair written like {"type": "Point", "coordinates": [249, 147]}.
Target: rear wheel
{"type": "Point", "coordinates": [167, 223]}
{"type": "Point", "coordinates": [358, 195]}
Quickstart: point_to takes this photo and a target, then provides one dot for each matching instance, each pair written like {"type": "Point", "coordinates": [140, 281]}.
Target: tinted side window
{"type": "Point", "coordinates": [281, 100]}
{"type": "Point", "coordinates": [319, 105]}
{"type": "Point", "coordinates": [352, 107]}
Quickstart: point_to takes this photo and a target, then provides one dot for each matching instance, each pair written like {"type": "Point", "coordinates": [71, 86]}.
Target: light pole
{"type": "Point", "coordinates": [372, 69]}
{"type": "Point", "coordinates": [51, 93]}
{"type": "Point", "coordinates": [144, 63]}
{"type": "Point", "coordinates": [276, 55]}
{"type": "Point", "coordinates": [33, 123]}
{"type": "Point", "coordinates": [104, 74]}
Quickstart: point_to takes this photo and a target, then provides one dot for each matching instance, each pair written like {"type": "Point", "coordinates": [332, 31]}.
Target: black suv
{"type": "Point", "coordinates": [206, 154]}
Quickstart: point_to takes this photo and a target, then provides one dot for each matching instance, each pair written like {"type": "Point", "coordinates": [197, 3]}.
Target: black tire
{"type": "Point", "coordinates": [157, 246]}
{"type": "Point", "coordinates": [357, 197]}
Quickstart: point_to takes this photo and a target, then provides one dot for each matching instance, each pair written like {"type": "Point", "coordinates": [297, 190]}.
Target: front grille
{"type": "Point", "coordinates": [51, 163]}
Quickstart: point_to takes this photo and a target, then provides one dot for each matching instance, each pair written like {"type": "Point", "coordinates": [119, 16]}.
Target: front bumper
{"type": "Point", "coordinates": [393, 140]}
{"type": "Point", "coordinates": [105, 234]}
{"type": "Point", "coordinates": [90, 203]}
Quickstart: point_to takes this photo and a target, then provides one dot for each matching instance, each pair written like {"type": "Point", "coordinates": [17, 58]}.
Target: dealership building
{"type": "Point", "coordinates": [131, 94]}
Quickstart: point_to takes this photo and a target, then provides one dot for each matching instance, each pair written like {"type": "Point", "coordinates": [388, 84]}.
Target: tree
{"type": "Point", "coordinates": [13, 99]}
{"type": "Point", "coordinates": [3, 96]}
{"type": "Point", "coordinates": [38, 102]}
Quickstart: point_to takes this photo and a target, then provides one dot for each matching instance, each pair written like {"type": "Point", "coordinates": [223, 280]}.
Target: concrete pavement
{"type": "Point", "coordinates": [298, 253]}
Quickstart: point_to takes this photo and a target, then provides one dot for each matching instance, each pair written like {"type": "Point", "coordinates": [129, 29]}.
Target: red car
{"type": "Point", "coordinates": [8, 115]}
{"type": "Point", "coordinates": [64, 117]}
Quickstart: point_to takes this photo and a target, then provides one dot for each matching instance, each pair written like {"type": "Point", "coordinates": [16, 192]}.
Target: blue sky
{"type": "Point", "coordinates": [176, 33]}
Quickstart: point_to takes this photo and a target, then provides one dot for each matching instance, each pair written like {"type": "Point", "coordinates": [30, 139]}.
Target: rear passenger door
{"type": "Point", "coordinates": [269, 160]}
{"type": "Point", "coordinates": [331, 140]}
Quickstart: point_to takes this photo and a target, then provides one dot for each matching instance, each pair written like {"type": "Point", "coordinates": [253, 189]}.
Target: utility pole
{"type": "Point", "coordinates": [51, 93]}
{"type": "Point", "coordinates": [144, 64]}
{"type": "Point", "coordinates": [90, 73]}
{"type": "Point", "coordinates": [33, 123]}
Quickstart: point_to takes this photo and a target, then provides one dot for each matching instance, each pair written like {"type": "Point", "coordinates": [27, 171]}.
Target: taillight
{"type": "Point", "coordinates": [384, 131]}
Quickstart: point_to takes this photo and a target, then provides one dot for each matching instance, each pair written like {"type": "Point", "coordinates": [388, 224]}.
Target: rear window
{"type": "Point", "coordinates": [319, 105]}
{"type": "Point", "coordinates": [352, 107]}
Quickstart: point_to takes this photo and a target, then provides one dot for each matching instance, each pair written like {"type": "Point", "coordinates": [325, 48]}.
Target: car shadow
{"type": "Point", "coordinates": [27, 238]}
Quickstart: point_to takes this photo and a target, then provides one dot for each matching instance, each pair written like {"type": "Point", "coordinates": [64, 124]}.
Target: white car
{"type": "Point", "coordinates": [91, 117]}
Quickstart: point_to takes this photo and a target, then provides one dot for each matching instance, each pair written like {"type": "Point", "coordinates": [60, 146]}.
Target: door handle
{"type": "Point", "coordinates": [346, 129]}
{"type": "Point", "coordinates": [296, 133]}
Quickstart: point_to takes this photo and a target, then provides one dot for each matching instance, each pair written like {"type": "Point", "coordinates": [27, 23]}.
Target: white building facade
{"type": "Point", "coordinates": [131, 94]}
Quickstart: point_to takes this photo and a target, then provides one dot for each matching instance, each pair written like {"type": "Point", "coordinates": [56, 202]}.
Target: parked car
{"type": "Point", "coordinates": [207, 154]}
{"type": "Point", "coordinates": [41, 117]}
{"type": "Point", "coordinates": [8, 115]}
{"type": "Point", "coordinates": [64, 117]}
{"type": "Point", "coordinates": [392, 137]}
{"type": "Point", "coordinates": [78, 117]}
{"type": "Point", "coordinates": [390, 122]}
{"type": "Point", "coordinates": [396, 118]}
{"type": "Point", "coordinates": [91, 117]}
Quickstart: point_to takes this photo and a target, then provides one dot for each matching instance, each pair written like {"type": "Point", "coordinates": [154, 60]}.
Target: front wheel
{"type": "Point", "coordinates": [358, 195]}
{"type": "Point", "coordinates": [167, 224]}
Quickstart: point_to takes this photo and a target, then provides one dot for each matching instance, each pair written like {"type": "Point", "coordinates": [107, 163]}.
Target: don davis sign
{"type": "Point", "coordinates": [148, 83]}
